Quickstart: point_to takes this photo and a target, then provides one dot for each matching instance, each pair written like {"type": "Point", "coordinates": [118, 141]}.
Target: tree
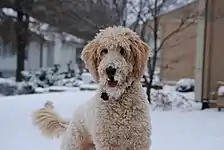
{"type": "Point", "coordinates": [20, 22]}
{"type": "Point", "coordinates": [152, 10]}
{"type": "Point", "coordinates": [77, 17]}
{"type": "Point", "coordinates": [22, 26]}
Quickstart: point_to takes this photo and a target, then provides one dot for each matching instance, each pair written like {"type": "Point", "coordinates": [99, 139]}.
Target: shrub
{"type": "Point", "coordinates": [185, 85]}
{"type": "Point", "coordinates": [52, 77]}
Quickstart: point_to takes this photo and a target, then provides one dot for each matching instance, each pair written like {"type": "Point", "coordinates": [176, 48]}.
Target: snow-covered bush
{"type": "Point", "coordinates": [25, 88]}
{"type": "Point", "coordinates": [170, 99]}
{"type": "Point", "coordinates": [40, 81]}
{"type": "Point", "coordinates": [221, 91]}
{"type": "Point", "coordinates": [10, 87]}
{"type": "Point", "coordinates": [156, 83]}
{"type": "Point", "coordinates": [185, 85]}
{"type": "Point", "coordinates": [51, 77]}
{"type": "Point", "coordinates": [161, 100]}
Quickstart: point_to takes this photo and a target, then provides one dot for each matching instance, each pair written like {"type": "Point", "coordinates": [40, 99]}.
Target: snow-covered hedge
{"type": "Point", "coordinates": [40, 80]}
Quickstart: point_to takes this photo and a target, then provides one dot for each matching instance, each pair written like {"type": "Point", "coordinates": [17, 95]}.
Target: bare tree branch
{"type": "Point", "coordinates": [138, 15]}
{"type": "Point", "coordinates": [182, 26]}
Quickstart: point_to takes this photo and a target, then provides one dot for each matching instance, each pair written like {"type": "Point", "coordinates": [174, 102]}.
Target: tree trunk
{"type": "Point", "coordinates": [124, 13]}
{"type": "Point", "coordinates": [21, 39]}
{"type": "Point", "coordinates": [154, 57]}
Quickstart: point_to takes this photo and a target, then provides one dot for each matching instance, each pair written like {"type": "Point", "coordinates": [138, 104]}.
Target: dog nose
{"type": "Point", "coordinates": [110, 70]}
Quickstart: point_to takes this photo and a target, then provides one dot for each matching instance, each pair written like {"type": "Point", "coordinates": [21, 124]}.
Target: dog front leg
{"type": "Point", "coordinates": [140, 143]}
{"type": "Point", "coordinates": [73, 139]}
{"type": "Point", "coordinates": [109, 148]}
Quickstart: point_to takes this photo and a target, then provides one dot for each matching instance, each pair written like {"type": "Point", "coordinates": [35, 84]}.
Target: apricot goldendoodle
{"type": "Point", "coordinates": [117, 116]}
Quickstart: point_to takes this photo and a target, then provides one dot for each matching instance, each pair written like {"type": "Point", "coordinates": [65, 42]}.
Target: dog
{"type": "Point", "coordinates": [117, 116]}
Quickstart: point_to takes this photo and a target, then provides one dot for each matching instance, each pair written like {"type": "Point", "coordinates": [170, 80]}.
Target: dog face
{"type": "Point", "coordinates": [116, 58]}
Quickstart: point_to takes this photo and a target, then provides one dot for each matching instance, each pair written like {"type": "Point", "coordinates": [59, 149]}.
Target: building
{"type": "Point", "coordinates": [177, 56]}
{"type": "Point", "coordinates": [44, 49]}
{"type": "Point", "coordinates": [209, 64]}
{"type": "Point", "coordinates": [197, 51]}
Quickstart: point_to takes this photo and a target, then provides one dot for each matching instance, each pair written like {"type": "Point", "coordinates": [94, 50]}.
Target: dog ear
{"type": "Point", "coordinates": [89, 56]}
{"type": "Point", "coordinates": [140, 51]}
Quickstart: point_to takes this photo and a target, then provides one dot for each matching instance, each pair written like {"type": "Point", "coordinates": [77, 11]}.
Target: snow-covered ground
{"type": "Point", "coordinates": [172, 130]}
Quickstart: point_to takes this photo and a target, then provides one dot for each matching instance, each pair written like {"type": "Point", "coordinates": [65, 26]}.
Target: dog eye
{"type": "Point", "coordinates": [104, 51]}
{"type": "Point", "coordinates": [122, 50]}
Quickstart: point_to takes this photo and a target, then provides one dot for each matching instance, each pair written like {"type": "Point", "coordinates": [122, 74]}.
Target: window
{"type": "Point", "coordinates": [26, 52]}
{"type": "Point", "coordinates": [1, 47]}
{"type": "Point", "coordinates": [6, 48]}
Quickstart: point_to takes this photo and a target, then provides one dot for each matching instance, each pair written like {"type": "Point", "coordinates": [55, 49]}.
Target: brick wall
{"type": "Point", "coordinates": [178, 53]}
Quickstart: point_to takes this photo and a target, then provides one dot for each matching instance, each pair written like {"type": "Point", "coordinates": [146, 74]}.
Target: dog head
{"type": "Point", "coordinates": [116, 58]}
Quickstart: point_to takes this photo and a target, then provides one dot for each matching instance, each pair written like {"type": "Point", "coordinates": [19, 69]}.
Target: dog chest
{"type": "Point", "coordinates": [121, 115]}
{"type": "Point", "coordinates": [122, 122]}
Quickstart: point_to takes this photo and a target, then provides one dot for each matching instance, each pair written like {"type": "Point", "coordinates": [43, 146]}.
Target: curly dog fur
{"type": "Point", "coordinates": [116, 58]}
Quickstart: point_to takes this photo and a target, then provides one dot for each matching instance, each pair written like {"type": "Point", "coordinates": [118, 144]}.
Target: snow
{"type": "Point", "coordinates": [9, 12]}
{"type": "Point", "coordinates": [89, 86]}
{"type": "Point", "coordinates": [87, 78]}
{"type": "Point", "coordinates": [171, 130]}
{"type": "Point", "coordinates": [221, 91]}
{"type": "Point", "coordinates": [187, 131]}
{"type": "Point", "coordinates": [41, 90]}
{"type": "Point", "coordinates": [55, 89]}
{"type": "Point", "coordinates": [7, 81]}
{"type": "Point", "coordinates": [185, 84]}
{"type": "Point", "coordinates": [17, 131]}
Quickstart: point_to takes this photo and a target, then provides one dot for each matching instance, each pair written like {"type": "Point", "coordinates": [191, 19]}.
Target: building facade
{"type": "Point", "coordinates": [178, 52]}
{"type": "Point", "coordinates": [39, 54]}
{"type": "Point", "coordinates": [176, 58]}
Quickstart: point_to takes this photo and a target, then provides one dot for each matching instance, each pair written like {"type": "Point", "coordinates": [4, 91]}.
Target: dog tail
{"type": "Point", "coordinates": [49, 122]}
